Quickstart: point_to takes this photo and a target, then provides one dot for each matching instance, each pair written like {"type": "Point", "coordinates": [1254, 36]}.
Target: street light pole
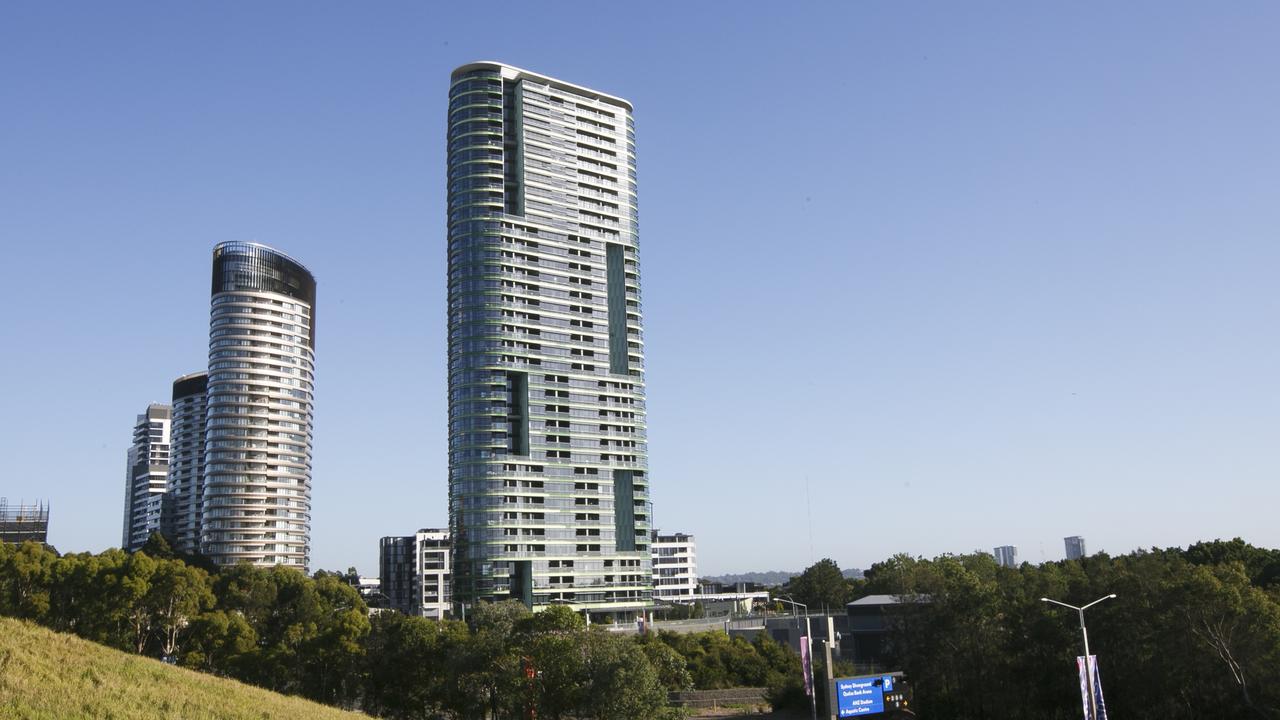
{"type": "Point", "coordinates": [1084, 632]}
{"type": "Point", "coordinates": [808, 639]}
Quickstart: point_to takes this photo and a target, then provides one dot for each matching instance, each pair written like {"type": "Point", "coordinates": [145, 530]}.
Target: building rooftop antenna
{"type": "Point", "coordinates": [808, 509]}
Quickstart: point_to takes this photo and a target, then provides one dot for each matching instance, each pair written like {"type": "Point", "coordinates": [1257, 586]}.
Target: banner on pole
{"type": "Point", "coordinates": [1089, 677]}
{"type": "Point", "coordinates": [806, 664]}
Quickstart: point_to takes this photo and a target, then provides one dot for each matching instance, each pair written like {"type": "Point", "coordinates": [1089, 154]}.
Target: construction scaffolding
{"type": "Point", "coordinates": [20, 523]}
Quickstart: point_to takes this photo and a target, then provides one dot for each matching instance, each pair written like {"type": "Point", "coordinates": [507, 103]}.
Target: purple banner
{"type": "Point", "coordinates": [1090, 677]}
{"type": "Point", "coordinates": [806, 665]}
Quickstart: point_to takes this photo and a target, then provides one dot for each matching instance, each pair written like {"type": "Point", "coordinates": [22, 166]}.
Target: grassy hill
{"type": "Point", "coordinates": [48, 675]}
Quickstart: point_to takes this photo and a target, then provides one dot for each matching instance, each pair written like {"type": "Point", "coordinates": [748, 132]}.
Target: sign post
{"type": "Point", "coordinates": [858, 696]}
{"type": "Point", "coordinates": [870, 695]}
{"type": "Point", "coordinates": [831, 634]}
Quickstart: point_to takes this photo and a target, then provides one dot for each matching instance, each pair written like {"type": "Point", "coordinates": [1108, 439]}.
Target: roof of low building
{"type": "Point", "coordinates": [888, 600]}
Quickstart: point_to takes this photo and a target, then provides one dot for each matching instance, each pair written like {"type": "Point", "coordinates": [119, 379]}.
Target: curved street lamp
{"type": "Point", "coordinates": [808, 633]}
{"type": "Point", "coordinates": [1093, 700]}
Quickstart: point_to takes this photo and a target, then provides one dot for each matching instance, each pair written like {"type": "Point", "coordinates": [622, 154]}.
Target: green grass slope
{"type": "Point", "coordinates": [46, 675]}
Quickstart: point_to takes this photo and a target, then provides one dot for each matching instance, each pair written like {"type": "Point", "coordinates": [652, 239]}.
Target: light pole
{"type": "Point", "coordinates": [1088, 677]}
{"type": "Point", "coordinates": [808, 639]}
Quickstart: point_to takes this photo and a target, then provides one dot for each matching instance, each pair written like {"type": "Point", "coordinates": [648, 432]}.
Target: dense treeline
{"type": "Point", "coordinates": [714, 661]}
{"type": "Point", "coordinates": [511, 660]}
{"type": "Point", "coordinates": [1191, 634]}
{"type": "Point", "coordinates": [276, 628]}
{"type": "Point", "coordinates": [313, 636]}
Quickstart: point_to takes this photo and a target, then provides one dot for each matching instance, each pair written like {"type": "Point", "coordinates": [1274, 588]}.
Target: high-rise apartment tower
{"type": "Point", "coordinates": [1007, 556]}
{"type": "Point", "coordinates": [146, 471]}
{"type": "Point", "coordinates": [257, 474]}
{"type": "Point", "coordinates": [548, 489]}
{"type": "Point", "coordinates": [1075, 547]}
{"type": "Point", "coordinates": [186, 462]}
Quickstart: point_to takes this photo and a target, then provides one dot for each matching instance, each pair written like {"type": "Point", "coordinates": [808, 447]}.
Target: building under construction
{"type": "Point", "coordinates": [21, 522]}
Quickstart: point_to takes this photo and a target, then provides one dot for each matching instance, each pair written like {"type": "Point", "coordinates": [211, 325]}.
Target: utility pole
{"type": "Point", "coordinates": [808, 649]}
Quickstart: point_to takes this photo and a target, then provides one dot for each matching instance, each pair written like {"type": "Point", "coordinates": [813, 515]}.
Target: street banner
{"type": "Point", "coordinates": [806, 663]}
{"type": "Point", "coordinates": [1089, 676]}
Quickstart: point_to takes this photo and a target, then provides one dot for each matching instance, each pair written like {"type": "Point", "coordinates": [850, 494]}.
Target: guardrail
{"type": "Point", "coordinates": [713, 699]}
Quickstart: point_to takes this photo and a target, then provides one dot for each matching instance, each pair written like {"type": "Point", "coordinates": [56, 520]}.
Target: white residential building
{"type": "Point", "coordinates": [414, 573]}
{"type": "Point", "coordinates": [145, 475]}
{"type": "Point", "coordinates": [256, 504]}
{"type": "Point", "coordinates": [434, 581]}
{"type": "Point", "coordinates": [675, 567]}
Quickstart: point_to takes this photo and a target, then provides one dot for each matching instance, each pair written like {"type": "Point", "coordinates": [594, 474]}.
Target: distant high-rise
{"type": "Point", "coordinates": [1007, 556]}
{"type": "Point", "coordinates": [257, 474]}
{"type": "Point", "coordinates": [186, 462]}
{"type": "Point", "coordinates": [1075, 547]}
{"type": "Point", "coordinates": [146, 469]}
{"type": "Point", "coordinates": [548, 483]}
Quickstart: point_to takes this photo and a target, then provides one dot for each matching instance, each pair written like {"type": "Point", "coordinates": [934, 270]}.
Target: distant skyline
{"type": "Point", "coordinates": [982, 274]}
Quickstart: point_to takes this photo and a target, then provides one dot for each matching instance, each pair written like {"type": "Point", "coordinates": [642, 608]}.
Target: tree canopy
{"type": "Point", "coordinates": [314, 636]}
{"type": "Point", "coordinates": [822, 587]}
{"type": "Point", "coordinates": [1192, 633]}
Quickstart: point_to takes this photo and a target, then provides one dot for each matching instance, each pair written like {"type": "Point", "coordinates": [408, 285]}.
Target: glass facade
{"type": "Point", "coordinates": [548, 482]}
{"type": "Point", "coordinates": [257, 454]}
{"type": "Point", "coordinates": [186, 463]}
{"type": "Point", "coordinates": [395, 573]}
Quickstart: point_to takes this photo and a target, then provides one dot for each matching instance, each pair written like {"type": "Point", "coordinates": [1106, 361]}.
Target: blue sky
{"type": "Point", "coordinates": [918, 277]}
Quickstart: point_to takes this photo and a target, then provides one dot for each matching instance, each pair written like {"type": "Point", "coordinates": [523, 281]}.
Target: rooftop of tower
{"type": "Point", "coordinates": [513, 71]}
{"type": "Point", "coordinates": [236, 244]}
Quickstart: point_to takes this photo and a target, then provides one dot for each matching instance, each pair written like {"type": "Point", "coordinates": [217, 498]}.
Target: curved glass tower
{"type": "Point", "coordinates": [548, 485]}
{"type": "Point", "coordinates": [257, 477]}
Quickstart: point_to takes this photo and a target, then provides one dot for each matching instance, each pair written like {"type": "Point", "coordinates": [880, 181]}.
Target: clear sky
{"type": "Point", "coordinates": [918, 277]}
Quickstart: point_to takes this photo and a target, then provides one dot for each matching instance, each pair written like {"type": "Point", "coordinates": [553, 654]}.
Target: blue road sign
{"type": "Point", "coordinates": [859, 696]}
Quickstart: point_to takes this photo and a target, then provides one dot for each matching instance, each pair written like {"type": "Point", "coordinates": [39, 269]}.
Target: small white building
{"type": "Point", "coordinates": [368, 587]}
{"type": "Point", "coordinates": [434, 579]}
{"type": "Point", "coordinates": [675, 567]}
{"type": "Point", "coordinates": [414, 573]}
